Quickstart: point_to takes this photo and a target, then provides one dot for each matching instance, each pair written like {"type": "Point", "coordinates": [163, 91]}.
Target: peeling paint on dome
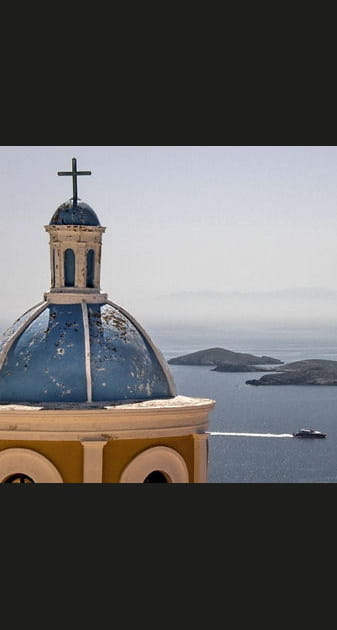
{"type": "Point", "coordinates": [49, 357]}
{"type": "Point", "coordinates": [123, 364]}
{"type": "Point", "coordinates": [37, 368]}
{"type": "Point", "coordinates": [10, 332]}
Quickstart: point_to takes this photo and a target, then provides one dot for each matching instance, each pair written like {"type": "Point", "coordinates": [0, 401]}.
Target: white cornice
{"type": "Point", "coordinates": [58, 229]}
{"type": "Point", "coordinates": [182, 416]}
{"type": "Point", "coordinates": [72, 297]}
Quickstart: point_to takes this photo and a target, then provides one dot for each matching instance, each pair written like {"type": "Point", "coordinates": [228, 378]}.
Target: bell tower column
{"type": "Point", "coordinates": [81, 265]}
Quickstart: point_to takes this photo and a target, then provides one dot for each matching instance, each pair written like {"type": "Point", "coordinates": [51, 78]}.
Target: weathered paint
{"type": "Point", "coordinates": [123, 363]}
{"type": "Point", "coordinates": [72, 213]}
{"type": "Point", "coordinates": [156, 351]}
{"type": "Point", "coordinates": [46, 362]}
{"type": "Point", "coordinates": [85, 242]}
{"type": "Point", "coordinates": [80, 353]}
{"type": "Point", "coordinates": [19, 323]}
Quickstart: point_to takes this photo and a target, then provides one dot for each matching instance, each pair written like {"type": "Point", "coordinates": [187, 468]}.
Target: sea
{"type": "Point", "coordinates": [250, 427]}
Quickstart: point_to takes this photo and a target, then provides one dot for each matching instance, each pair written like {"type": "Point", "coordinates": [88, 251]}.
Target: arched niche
{"type": "Point", "coordinates": [69, 268]}
{"type": "Point", "coordinates": [91, 269]}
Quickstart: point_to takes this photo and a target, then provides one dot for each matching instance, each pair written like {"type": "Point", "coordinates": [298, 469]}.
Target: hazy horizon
{"type": "Point", "coordinates": [222, 236]}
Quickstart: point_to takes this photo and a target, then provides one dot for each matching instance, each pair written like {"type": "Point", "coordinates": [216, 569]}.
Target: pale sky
{"type": "Point", "coordinates": [194, 233]}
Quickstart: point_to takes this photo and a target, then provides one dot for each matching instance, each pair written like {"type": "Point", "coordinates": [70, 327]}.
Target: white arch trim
{"type": "Point", "coordinates": [28, 462]}
{"type": "Point", "coordinates": [162, 458]}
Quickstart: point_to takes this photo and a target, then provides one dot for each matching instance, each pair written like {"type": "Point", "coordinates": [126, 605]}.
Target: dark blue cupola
{"type": "Point", "coordinates": [71, 213]}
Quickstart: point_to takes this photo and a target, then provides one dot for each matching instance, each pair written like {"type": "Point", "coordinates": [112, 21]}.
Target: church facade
{"type": "Point", "coordinates": [85, 395]}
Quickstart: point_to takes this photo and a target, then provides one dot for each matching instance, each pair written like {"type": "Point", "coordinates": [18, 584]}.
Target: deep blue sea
{"type": "Point", "coordinates": [270, 413]}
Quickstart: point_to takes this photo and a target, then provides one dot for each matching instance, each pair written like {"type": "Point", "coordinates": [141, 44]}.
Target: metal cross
{"type": "Point", "coordinates": [74, 173]}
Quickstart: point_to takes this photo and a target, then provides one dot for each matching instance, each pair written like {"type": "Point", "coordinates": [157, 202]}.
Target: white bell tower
{"type": "Point", "coordinates": [75, 250]}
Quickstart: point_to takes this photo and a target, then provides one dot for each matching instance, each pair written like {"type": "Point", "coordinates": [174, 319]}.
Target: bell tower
{"type": "Point", "coordinates": [75, 249]}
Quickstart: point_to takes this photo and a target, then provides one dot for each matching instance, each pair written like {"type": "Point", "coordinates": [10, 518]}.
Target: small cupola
{"type": "Point", "coordinates": [75, 247]}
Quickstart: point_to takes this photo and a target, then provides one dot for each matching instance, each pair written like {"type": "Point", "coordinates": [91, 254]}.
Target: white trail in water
{"type": "Point", "coordinates": [278, 435]}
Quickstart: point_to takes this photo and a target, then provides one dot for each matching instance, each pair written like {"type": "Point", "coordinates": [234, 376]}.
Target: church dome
{"type": "Point", "coordinates": [74, 212]}
{"type": "Point", "coordinates": [77, 346]}
{"type": "Point", "coordinates": [80, 353]}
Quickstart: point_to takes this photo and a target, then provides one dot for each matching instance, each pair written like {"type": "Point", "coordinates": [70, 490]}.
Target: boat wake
{"type": "Point", "coordinates": [277, 435]}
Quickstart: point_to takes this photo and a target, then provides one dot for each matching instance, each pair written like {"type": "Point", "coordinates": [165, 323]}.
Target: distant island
{"type": "Point", "coordinates": [306, 372]}
{"type": "Point", "coordinates": [226, 360]}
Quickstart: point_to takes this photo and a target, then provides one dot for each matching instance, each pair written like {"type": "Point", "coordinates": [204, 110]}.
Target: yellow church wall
{"type": "Point", "coordinates": [117, 454]}
{"type": "Point", "coordinates": [104, 445]}
{"type": "Point", "coordinates": [67, 456]}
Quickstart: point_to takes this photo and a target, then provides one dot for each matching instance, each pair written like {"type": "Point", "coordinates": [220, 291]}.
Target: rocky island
{"type": "Point", "coordinates": [226, 360]}
{"type": "Point", "coordinates": [306, 372]}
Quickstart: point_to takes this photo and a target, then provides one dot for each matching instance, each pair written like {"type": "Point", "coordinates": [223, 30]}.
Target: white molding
{"type": "Point", "coordinates": [97, 266]}
{"type": "Point", "coordinates": [67, 297]}
{"type": "Point", "coordinates": [111, 434]}
{"type": "Point", "coordinates": [162, 458]}
{"type": "Point", "coordinates": [54, 230]}
{"type": "Point", "coordinates": [80, 265]}
{"type": "Point", "coordinates": [201, 457]}
{"type": "Point", "coordinates": [87, 351]}
{"type": "Point", "coordinates": [155, 419]}
{"type": "Point", "coordinates": [30, 463]}
{"type": "Point", "coordinates": [175, 414]}
{"type": "Point", "coordinates": [58, 264]}
{"type": "Point", "coordinates": [93, 460]}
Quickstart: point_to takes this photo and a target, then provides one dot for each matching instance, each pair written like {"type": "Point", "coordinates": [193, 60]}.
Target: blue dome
{"type": "Point", "coordinates": [80, 353]}
{"type": "Point", "coordinates": [78, 213]}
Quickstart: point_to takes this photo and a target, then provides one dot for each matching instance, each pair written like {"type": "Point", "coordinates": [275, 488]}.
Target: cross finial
{"type": "Point", "coordinates": [74, 173]}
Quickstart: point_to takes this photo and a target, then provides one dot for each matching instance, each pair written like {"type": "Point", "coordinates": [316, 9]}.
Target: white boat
{"type": "Point", "coordinates": [309, 433]}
